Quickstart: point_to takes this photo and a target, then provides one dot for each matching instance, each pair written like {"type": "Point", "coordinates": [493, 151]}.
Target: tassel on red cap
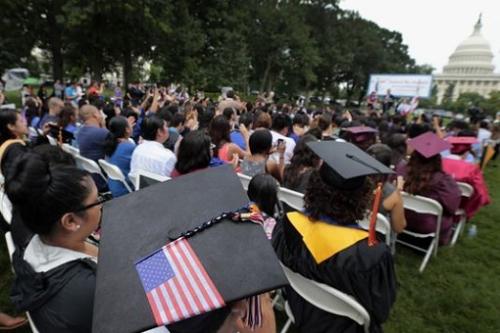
{"type": "Point", "coordinates": [372, 236]}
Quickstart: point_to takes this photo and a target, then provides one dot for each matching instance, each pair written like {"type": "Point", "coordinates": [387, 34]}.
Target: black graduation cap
{"type": "Point", "coordinates": [345, 166]}
{"type": "Point", "coordinates": [58, 133]}
{"type": "Point", "coordinates": [237, 256]}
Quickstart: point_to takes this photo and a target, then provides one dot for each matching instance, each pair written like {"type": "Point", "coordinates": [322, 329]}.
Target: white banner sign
{"type": "Point", "coordinates": [401, 85]}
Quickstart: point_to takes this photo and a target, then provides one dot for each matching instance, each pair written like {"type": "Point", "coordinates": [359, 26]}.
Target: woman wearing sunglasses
{"type": "Point", "coordinates": [55, 274]}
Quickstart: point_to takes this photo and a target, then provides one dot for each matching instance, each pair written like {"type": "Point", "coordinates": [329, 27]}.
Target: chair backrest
{"type": "Point", "coordinates": [52, 140]}
{"type": "Point", "coordinates": [292, 198]}
{"type": "Point", "coordinates": [466, 189]}
{"type": "Point", "coordinates": [32, 132]}
{"type": "Point", "coordinates": [423, 205]}
{"type": "Point", "coordinates": [328, 298]}
{"type": "Point", "coordinates": [10, 244]}
{"type": "Point", "coordinates": [114, 173]}
{"type": "Point", "coordinates": [5, 206]}
{"type": "Point", "coordinates": [144, 179]}
{"type": "Point", "coordinates": [89, 165]}
{"type": "Point", "coordinates": [70, 149]}
{"type": "Point", "coordinates": [383, 226]}
{"type": "Point", "coordinates": [245, 180]}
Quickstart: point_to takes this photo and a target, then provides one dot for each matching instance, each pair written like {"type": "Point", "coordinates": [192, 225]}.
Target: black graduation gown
{"type": "Point", "coordinates": [366, 273]}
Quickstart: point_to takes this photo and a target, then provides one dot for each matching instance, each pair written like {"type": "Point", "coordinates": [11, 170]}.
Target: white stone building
{"type": "Point", "coordinates": [470, 68]}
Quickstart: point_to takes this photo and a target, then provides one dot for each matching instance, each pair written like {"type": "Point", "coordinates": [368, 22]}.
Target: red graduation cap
{"type": "Point", "coordinates": [462, 140]}
{"type": "Point", "coordinates": [429, 144]}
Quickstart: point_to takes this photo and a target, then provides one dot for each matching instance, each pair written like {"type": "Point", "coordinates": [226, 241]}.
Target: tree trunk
{"type": "Point", "coordinates": [127, 67]}
{"type": "Point", "coordinates": [55, 45]}
{"type": "Point", "coordinates": [266, 74]}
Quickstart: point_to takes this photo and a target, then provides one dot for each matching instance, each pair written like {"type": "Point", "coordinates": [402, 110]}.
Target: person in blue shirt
{"type": "Point", "coordinates": [118, 149]}
{"type": "Point", "coordinates": [236, 136]}
{"type": "Point", "coordinates": [91, 137]}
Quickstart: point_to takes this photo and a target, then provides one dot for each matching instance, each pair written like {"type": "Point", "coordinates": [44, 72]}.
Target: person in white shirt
{"type": "Point", "coordinates": [151, 156]}
{"type": "Point", "coordinates": [280, 126]}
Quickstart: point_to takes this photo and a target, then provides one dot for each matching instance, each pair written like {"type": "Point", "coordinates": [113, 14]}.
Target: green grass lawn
{"type": "Point", "coordinates": [458, 292]}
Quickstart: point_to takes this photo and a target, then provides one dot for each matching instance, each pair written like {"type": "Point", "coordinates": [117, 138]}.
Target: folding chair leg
{"type": "Point", "coordinates": [428, 254]}
{"type": "Point", "coordinates": [458, 231]}
{"type": "Point", "coordinates": [287, 326]}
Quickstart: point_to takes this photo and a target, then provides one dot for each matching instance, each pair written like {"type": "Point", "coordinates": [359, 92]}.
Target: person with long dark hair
{"type": "Point", "coordinates": [424, 176]}
{"type": "Point", "coordinates": [324, 243]}
{"type": "Point", "coordinates": [118, 149]}
{"type": "Point", "coordinates": [194, 153]}
{"type": "Point", "coordinates": [13, 129]}
{"type": "Point", "coordinates": [219, 131]}
{"type": "Point", "coordinates": [303, 163]}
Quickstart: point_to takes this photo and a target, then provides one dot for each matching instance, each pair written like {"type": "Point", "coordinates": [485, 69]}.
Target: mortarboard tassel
{"type": "Point", "coordinates": [372, 236]}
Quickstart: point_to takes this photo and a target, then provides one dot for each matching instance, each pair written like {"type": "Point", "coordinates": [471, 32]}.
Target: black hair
{"type": "Point", "coordinates": [219, 130]}
{"type": "Point", "coordinates": [150, 127]}
{"type": "Point", "coordinates": [344, 207]}
{"type": "Point", "coordinates": [109, 111]}
{"type": "Point", "coordinates": [41, 193]}
{"type": "Point", "coordinates": [246, 119]}
{"type": "Point", "coordinates": [54, 155]}
{"type": "Point", "coordinates": [66, 113]}
{"type": "Point", "coordinates": [315, 132]}
{"type": "Point", "coordinates": [397, 143]}
{"type": "Point", "coordinates": [303, 157]}
{"type": "Point", "coordinates": [206, 117]}
{"type": "Point", "coordinates": [117, 130]}
{"type": "Point", "coordinates": [230, 94]}
{"type": "Point", "coordinates": [166, 115]}
{"type": "Point", "coordinates": [417, 129]}
{"type": "Point", "coordinates": [178, 119]}
{"type": "Point", "coordinates": [260, 142]}
{"type": "Point", "coordinates": [263, 190]}
{"type": "Point", "coordinates": [484, 124]}
{"type": "Point", "coordinates": [173, 108]}
{"type": "Point", "coordinates": [7, 117]}
{"type": "Point", "coordinates": [381, 152]}
{"type": "Point", "coordinates": [128, 112]}
{"type": "Point", "coordinates": [301, 119]}
{"type": "Point", "coordinates": [228, 113]}
{"type": "Point", "coordinates": [466, 132]}
{"type": "Point", "coordinates": [325, 121]}
{"type": "Point", "coordinates": [194, 152]}
{"type": "Point", "coordinates": [280, 121]}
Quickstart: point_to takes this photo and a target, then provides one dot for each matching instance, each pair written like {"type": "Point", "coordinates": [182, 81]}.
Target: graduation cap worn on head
{"type": "Point", "coordinates": [428, 144]}
{"type": "Point", "coordinates": [462, 140]}
{"type": "Point", "coordinates": [230, 260]}
{"type": "Point", "coordinates": [360, 134]}
{"type": "Point", "coordinates": [345, 166]}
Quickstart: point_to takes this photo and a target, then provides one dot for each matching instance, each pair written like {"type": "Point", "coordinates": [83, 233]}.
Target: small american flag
{"type": "Point", "coordinates": [176, 283]}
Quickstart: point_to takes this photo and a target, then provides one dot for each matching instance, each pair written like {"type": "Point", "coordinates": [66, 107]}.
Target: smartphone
{"type": "Point", "coordinates": [280, 141]}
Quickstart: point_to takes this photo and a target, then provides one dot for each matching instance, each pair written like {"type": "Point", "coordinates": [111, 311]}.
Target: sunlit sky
{"type": "Point", "coordinates": [432, 29]}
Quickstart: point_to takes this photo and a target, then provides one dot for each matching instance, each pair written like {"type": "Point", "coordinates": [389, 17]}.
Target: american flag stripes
{"type": "Point", "coordinates": [176, 283]}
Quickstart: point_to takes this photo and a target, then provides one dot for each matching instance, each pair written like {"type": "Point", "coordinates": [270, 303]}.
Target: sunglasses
{"type": "Point", "coordinates": [100, 200]}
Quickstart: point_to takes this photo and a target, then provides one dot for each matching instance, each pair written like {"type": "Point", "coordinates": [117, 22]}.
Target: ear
{"type": "Point", "coordinates": [11, 127]}
{"type": "Point", "coordinates": [70, 222]}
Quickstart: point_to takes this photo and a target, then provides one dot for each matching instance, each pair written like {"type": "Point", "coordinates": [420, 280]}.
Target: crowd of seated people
{"type": "Point", "coordinates": [57, 206]}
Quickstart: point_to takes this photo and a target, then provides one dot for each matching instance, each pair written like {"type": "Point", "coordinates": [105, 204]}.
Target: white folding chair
{"type": "Point", "coordinates": [423, 205]}
{"type": "Point", "coordinates": [292, 198]}
{"type": "Point", "coordinates": [114, 173]}
{"type": "Point", "coordinates": [325, 298]}
{"type": "Point", "coordinates": [10, 245]}
{"type": "Point", "coordinates": [89, 165]}
{"type": "Point", "coordinates": [467, 192]}
{"type": "Point", "coordinates": [52, 140]}
{"type": "Point", "coordinates": [70, 149]}
{"type": "Point", "coordinates": [136, 179]}
{"type": "Point", "coordinates": [382, 226]}
{"type": "Point", "coordinates": [5, 206]}
{"type": "Point", "coordinates": [32, 132]}
{"type": "Point", "coordinates": [245, 180]}
{"type": "Point", "coordinates": [32, 324]}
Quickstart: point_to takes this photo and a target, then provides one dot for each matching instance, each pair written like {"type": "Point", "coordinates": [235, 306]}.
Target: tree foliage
{"type": "Point", "coordinates": [291, 46]}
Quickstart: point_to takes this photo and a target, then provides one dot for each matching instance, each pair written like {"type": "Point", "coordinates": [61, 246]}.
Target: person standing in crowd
{"type": "Point", "coordinates": [151, 155]}
{"type": "Point", "coordinates": [59, 89]}
{"type": "Point", "coordinates": [70, 93]}
{"type": "Point", "coordinates": [236, 137]}
{"type": "Point", "coordinates": [300, 125]}
{"type": "Point", "coordinates": [119, 149]}
{"type": "Point", "coordinates": [388, 102]}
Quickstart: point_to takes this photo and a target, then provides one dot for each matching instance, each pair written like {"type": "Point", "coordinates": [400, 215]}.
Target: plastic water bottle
{"type": "Point", "coordinates": [472, 231]}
